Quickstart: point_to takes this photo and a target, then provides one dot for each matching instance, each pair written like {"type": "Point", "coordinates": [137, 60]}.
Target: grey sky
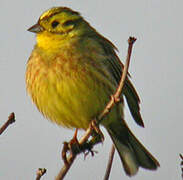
{"type": "Point", "coordinates": [156, 69]}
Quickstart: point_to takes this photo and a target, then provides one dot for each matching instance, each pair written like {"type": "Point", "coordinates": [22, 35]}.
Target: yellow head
{"type": "Point", "coordinates": [58, 25]}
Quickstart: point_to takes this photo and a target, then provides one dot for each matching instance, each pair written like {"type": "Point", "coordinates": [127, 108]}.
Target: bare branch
{"type": "Point", "coordinates": [114, 100]}
{"type": "Point", "coordinates": [11, 119]}
{"type": "Point", "coordinates": [109, 164]}
{"type": "Point", "coordinates": [40, 172]}
{"type": "Point", "coordinates": [116, 97]}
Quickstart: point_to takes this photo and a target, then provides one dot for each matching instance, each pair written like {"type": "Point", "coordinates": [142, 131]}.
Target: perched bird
{"type": "Point", "coordinates": [71, 74]}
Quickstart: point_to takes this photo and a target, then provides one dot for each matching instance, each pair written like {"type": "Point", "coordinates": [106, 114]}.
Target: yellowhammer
{"type": "Point", "coordinates": [71, 74]}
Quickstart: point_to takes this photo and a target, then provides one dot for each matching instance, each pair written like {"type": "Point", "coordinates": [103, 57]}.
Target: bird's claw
{"type": "Point", "coordinates": [73, 146]}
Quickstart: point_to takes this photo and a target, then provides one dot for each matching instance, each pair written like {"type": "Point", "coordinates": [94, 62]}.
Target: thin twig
{"type": "Point", "coordinates": [116, 96]}
{"type": "Point", "coordinates": [109, 164]}
{"type": "Point", "coordinates": [11, 119]}
{"type": "Point", "coordinates": [40, 172]}
{"type": "Point", "coordinates": [114, 99]}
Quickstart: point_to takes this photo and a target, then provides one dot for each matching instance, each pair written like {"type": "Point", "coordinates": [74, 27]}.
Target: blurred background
{"type": "Point", "coordinates": [156, 70]}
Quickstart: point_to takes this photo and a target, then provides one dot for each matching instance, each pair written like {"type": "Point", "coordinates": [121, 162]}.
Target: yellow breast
{"type": "Point", "coordinates": [70, 92]}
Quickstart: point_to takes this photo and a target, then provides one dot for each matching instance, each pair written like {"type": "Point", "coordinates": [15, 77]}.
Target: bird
{"type": "Point", "coordinates": [71, 74]}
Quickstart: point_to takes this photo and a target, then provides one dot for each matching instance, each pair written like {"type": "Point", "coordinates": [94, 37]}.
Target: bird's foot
{"type": "Point", "coordinates": [87, 147]}
{"type": "Point", "coordinates": [73, 147]}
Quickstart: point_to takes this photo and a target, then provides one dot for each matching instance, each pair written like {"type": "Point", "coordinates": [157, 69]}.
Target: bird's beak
{"type": "Point", "coordinates": [36, 28]}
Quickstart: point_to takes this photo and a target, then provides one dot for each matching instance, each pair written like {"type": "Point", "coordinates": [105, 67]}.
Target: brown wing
{"type": "Point", "coordinates": [115, 67]}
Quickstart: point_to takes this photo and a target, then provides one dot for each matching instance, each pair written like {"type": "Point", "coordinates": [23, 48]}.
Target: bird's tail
{"type": "Point", "coordinates": [132, 153]}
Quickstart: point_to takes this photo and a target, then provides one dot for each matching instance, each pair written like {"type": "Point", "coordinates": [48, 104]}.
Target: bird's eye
{"type": "Point", "coordinates": [69, 22]}
{"type": "Point", "coordinates": [54, 24]}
